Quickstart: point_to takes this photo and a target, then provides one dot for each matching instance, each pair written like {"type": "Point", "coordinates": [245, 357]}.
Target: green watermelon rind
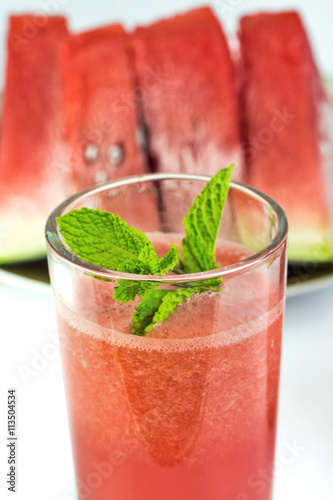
{"type": "Point", "coordinates": [310, 247]}
{"type": "Point", "coordinates": [34, 251]}
{"type": "Point", "coordinates": [303, 246]}
{"type": "Point", "coordinates": [19, 240]}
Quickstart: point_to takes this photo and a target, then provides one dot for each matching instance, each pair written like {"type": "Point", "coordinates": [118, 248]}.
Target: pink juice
{"type": "Point", "coordinates": [187, 412]}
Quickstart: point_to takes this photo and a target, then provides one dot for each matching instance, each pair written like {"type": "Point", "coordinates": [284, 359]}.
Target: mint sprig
{"type": "Point", "coordinates": [143, 317]}
{"type": "Point", "coordinates": [101, 238]}
{"type": "Point", "coordinates": [147, 263]}
{"type": "Point", "coordinates": [106, 240]}
{"type": "Point", "coordinates": [202, 224]}
{"type": "Point", "coordinates": [156, 306]}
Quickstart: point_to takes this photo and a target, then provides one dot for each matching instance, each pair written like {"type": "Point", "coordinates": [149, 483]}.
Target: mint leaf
{"type": "Point", "coordinates": [101, 238]}
{"type": "Point", "coordinates": [134, 266]}
{"type": "Point", "coordinates": [156, 266]}
{"type": "Point", "coordinates": [148, 256]}
{"type": "Point", "coordinates": [202, 224]}
{"type": "Point", "coordinates": [147, 263]}
{"type": "Point", "coordinates": [145, 311]}
{"type": "Point", "coordinates": [157, 305]}
{"type": "Point", "coordinates": [170, 260]}
{"type": "Point", "coordinates": [169, 303]}
{"type": "Point", "coordinates": [127, 290]}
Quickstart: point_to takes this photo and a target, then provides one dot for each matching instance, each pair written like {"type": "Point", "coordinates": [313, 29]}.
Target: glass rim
{"type": "Point", "coordinates": [69, 257]}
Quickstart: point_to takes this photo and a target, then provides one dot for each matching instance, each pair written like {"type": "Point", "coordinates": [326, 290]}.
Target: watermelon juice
{"type": "Point", "coordinates": [187, 412]}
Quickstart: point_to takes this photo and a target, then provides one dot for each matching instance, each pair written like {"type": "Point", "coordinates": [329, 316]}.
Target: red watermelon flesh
{"type": "Point", "coordinates": [188, 94]}
{"type": "Point", "coordinates": [282, 99]}
{"type": "Point", "coordinates": [31, 183]}
{"type": "Point", "coordinates": [102, 124]}
{"type": "Point", "coordinates": [100, 112]}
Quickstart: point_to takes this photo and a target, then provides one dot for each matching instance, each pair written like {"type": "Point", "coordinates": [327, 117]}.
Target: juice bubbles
{"type": "Point", "coordinates": [187, 412]}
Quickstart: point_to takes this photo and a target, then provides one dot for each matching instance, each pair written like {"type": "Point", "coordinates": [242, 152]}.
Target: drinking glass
{"type": "Point", "coordinates": [188, 411]}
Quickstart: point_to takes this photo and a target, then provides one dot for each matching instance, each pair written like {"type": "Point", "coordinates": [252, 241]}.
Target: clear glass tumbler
{"type": "Point", "coordinates": [187, 412]}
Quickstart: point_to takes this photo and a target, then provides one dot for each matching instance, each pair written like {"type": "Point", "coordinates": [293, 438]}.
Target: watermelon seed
{"type": "Point", "coordinates": [113, 193]}
{"type": "Point", "coordinates": [91, 153]}
{"type": "Point", "coordinates": [101, 176]}
{"type": "Point", "coordinates": [116, 154]}
{"type": "Point", "coordinates": [141, 137]}
{"type": "Point", "coordinates": [325, 149]}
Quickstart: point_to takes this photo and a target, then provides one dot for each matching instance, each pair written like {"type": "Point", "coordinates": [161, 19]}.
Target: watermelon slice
{"type": "Point", "coordinates": [103, 131]}
{"type": "Point", "coordinates": [100, 111]}
{"type": "Point", "coordinates": [187, 89]}
{"type": "Point", "coordinates": [31, 184]}
{"type": "Point", "coordinates": [282, 102]}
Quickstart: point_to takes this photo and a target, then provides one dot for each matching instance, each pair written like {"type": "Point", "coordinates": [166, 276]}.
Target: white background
{"type": "Point", "coordinates": [28, 324]}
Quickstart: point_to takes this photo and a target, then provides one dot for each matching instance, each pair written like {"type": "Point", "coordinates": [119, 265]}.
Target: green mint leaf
{"type": "Point", "coordinates": [170, 260]}
{"type": "Point", "coordinates": [127, 290]}
{"type": "Point", "coordinates": [157, 305]}
{"type": "Point", "coordinates": [148, 256]}
{"type": "Point", "coordinates": [101, 238]}
{"type": "Point", "coordinates": [134, 266]}
{"type": "Point", "coordinates": [145, 311]}
{"type": "Point", "coordinates": [169, 303]}
{"type": "Point", "coordinates": [147, 263]}
{"type": "Point", "coordinates": [202, 224]}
